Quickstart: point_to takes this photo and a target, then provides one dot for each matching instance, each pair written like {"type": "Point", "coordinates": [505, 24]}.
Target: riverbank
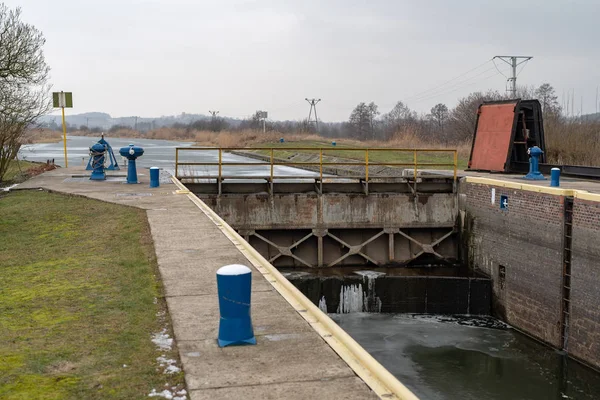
{"type": "Point", "coordinates": [19, 171]}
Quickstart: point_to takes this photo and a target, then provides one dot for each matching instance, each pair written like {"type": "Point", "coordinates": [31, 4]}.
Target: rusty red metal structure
{"type": "Point", "coordinates": [503, 133]}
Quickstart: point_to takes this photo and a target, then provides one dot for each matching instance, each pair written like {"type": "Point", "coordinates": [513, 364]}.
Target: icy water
{"type": "Point", "coordinates": [442, 357]}
{"type": "Point", "coordinates": [157, 153]}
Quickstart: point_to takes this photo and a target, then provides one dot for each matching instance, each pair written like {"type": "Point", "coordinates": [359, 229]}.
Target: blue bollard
{"type": "Point", "coordinates": [154, 177]}
{"type": "Point", "coordinates": [234, 284]}
{"type": "Point", "coordinates": [534, 164]}
{"type": "Point", "coordinates": [131, 153]}
{"type": "Point", "coordinates": [333, 143]}
{"type": "Point", "coordinates": [281, 140]}
{"type": "Point", "coordinates": [555, 177]}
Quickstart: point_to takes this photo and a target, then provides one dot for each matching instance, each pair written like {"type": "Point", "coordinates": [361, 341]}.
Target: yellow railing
{"type": "Point", "coordinates": [268, 157]}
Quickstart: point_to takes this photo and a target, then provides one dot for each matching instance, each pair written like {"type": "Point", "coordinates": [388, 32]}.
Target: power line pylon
{"type": "Point", "coordinates": [513, 62]}
{"type": "Point", "coordinates": [313, 106]}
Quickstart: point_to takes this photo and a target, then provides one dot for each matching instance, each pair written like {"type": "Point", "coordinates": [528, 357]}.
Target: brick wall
{"type": "Point", "coordinates": [584, 337]}
{"type": "Point", "coordinates": [520, 248]}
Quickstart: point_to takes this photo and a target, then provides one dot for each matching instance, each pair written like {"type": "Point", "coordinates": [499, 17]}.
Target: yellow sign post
{"type": "Point", "coordinates": [62, 100]}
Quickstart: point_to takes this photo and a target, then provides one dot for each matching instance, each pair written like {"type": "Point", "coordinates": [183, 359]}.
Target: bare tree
{"type": "Point", "coordinates": [23, 76]}
{"type": "Point", "coordinates": [439, 115]}
{"type": "Point", "coordinates": [399, 119]}
{"type": "Point", "coordinates": [548, 99]}
{"type": "Point", "coordinates": [362, 120]}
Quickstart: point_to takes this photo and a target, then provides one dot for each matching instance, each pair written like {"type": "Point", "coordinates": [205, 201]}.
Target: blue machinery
{"type": "Point", "coordinates": [98, 153]}
{"type": "Point", "coordinates": [534, 164]}
{"type": "Point", "coordinates": [131, 153]}
{"type": "Point", "coordinates": [98, 157]}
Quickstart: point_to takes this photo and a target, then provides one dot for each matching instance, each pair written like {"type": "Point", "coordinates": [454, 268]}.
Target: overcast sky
{"type": "Point", "coordinates": [164, 57]}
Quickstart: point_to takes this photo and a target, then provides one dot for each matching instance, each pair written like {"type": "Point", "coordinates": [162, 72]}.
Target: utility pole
{"type": "Point", "coordinates": [135, 125]}
{"type": "Point", "coordinates": [213, 120]}
{"type": "Point", "coordinates": [513, 61]}
{"type": "Point", "coordinates": [313, 106]}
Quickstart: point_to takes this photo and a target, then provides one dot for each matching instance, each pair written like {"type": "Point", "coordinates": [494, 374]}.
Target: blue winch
{"type": "Point", "coordinates": [111, 155]}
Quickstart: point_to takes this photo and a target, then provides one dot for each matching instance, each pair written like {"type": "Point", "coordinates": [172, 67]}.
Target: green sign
{"type": "Point", "coordinates": [62, 99]}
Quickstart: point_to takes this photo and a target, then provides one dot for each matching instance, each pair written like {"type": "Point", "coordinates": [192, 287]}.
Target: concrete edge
{"type": "Point", "coordinates": [379, 379]}
{"type": "Point", "coordinates": [580, 194]}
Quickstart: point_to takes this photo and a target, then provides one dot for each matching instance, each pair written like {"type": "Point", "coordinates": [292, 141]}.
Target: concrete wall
{"type": "Point", "coordinates": [526, 239]}
{"type": "Point", "coordinates": [584, 334]}
{"type": "Point", "coordinates": [308, 211]}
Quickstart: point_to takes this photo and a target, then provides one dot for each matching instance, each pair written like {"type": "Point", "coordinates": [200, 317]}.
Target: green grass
{"type": "Point", "coordinates": [341, 150]}
{"type": "Point", "coordinates": [16, 168]}
{"type": "Point", "coordinates": [78, 283]}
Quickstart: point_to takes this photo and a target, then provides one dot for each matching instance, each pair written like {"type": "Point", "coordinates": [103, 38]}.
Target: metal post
{"type": "Point", "coordinates": [220, 179]}
{"type": "Point", "coordinates": [512, 61]}
{"type": "Point", "coordinates": [415, 162]}
{"type": "Point", "coordinates": [176, 163]}
{"type": "Point", "coordinates": [367, 165]}
{"type": "Point", "coordinates": [220, 163]}
{"type": "Point", "coordinates": [271, 164]}
{"type": "Point", "coordinates": [415, 172]}
{"type": "Point", "coordinates": [455, 163]}
{"type": "Point", "coordinates": [514, 76]}
{"type": "Point", "coordinates": [65, 136]}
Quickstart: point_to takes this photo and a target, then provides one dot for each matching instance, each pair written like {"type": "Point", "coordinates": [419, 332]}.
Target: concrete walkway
{"type": "Point", "coordinates": [290, 361]}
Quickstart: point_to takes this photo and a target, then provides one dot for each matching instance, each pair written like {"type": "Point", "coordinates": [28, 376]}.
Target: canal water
{"type": "Point", "coordinates": [444, 357]}
{"type": "Point", "coordinates": [157, 153]}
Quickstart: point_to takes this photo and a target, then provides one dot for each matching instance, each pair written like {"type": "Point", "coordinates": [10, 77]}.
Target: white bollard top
{"type": "Point", "coordinates": [234, 269]}
{"type": "Point", "coordinates": [555, 169]}
{"type": "Point", "coordinates": [154, 168]}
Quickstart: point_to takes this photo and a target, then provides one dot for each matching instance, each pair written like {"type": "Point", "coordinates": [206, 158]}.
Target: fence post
{"type": "Point", "coordinates": [455, 163]}
{"type": "Point", "coordinates": [367, 165]}
{"type": "Point", "coordinates": [176, 162]}
{"type": "Point", "coordinates": [271, 165]}
{"type": "Point", "coordinates": [220, 163]}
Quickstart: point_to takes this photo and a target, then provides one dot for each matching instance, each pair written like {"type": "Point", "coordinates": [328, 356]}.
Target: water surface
{"type": "Point", "coordinates": [442, 357]}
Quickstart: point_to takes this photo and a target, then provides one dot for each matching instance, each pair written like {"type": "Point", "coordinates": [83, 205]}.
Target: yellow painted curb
{"type": "Point", "coordinates": [583, 195]}
{"type": "Point", "coordinates": [520, 186]}
{"type": "Point", "coordinates": [577, 193]}
{"type": "Point", "coordinates": [379, 379]}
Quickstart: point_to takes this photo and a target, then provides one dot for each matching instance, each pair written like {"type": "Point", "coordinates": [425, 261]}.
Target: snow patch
{"type": "Point", "coordinates": [170, 395]}
{"type": "Point", "coordinates": [234, 269]}
{"type": "Point", "coordinates": [162, 340]}
{"type": "Point", "coordinates": [168, 364]}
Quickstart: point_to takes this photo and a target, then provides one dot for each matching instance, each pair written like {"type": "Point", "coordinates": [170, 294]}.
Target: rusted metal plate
{"type": "Point", "coordinates": [493, 137]}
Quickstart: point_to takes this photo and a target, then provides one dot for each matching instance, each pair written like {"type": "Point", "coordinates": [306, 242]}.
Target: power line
{"type": "Point", "coordinates": [458, 88]}
{"type": "Point", "coordinates": [457, 85]}
{"type": "Point", "coordinates": [448, 81]}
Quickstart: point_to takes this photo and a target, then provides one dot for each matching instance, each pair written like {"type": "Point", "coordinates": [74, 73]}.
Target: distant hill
{"type": "Point", "coordinates": [105, 121]}
{"type": "Point", "coordinates": [591, 117]}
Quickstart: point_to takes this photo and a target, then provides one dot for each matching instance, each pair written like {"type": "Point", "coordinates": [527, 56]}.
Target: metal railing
{"type": "Point", "coordinates": [271, 160]}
